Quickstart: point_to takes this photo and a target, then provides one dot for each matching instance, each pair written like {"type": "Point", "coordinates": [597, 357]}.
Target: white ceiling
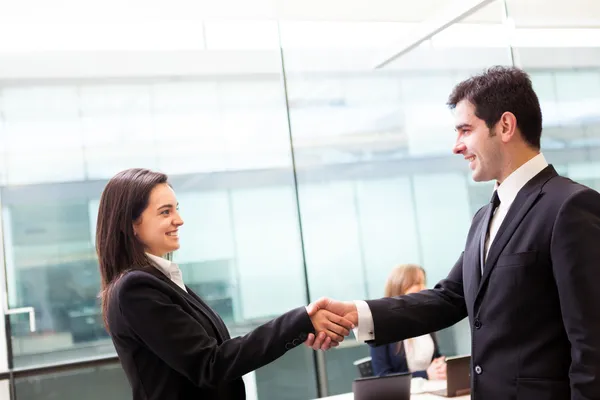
{"type": "Point", "coordinates": [555, 13]}
{"type": "Point", "coordinates": [525, 12]}
{"type": "Point", "coordinates": [72, 38]}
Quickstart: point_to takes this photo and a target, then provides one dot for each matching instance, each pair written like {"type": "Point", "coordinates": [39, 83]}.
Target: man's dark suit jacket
{"type": "Point", "coordinates": [386, 359]}
{"type": "Point", "coordinates": [172, 346]}
{"type": "Point", "coordinates": [535, 311]}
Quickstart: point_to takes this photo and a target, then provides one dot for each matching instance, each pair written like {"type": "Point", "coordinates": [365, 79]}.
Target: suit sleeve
{"type": "Point", "coordinates": [413, 315]}
{"type": "Point", "coordinates": [183, 343]}
{"type": "Point", "coordinates": [436, 347]}
{"type": "Point", "coordinates": [380, 361]}
{"type": "Point", "coordinates": [575, 251]}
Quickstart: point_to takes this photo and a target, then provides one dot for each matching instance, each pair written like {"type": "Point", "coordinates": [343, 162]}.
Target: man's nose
{"type": "Point", "coordinates": [459, 148]}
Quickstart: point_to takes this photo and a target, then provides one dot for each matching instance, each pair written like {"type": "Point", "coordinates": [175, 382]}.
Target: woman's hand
{"type": "Point", "coordinates": [334, 326]}
{"type": "Point", "coordinates": [335, 321]}
{"type": "Point", "coordinates": [437, 369]}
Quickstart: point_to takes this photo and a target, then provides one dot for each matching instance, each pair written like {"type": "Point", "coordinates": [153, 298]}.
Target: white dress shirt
{"type": "Point", "coordinates": [419, 352]}
{"type": "Point", "coordinates": [170, 269]}
{"type": "Point", "coordinates": [507, 192]}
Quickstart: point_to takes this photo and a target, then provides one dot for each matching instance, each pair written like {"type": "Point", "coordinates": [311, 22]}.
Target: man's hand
{"type": "Point", "coordinates": [347, 310]}
{"type": "Point", "coordinates": [334, 326]}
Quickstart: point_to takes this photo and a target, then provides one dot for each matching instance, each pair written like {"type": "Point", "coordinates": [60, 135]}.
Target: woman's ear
{"type": "Point", "coordinates": [135, 225]}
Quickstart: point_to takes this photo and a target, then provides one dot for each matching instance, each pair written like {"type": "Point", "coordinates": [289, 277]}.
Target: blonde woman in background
{"type": "Point", "coordinates": [419, 355]}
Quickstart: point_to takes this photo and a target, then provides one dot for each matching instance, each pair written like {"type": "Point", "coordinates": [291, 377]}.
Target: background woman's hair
{"type": "Point", "coordinates": [123, 200]}
{"type": "Point", "coordinates": [402, 278]}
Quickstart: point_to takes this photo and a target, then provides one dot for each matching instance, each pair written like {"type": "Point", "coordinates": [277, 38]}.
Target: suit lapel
{"type": "Point", "coordinates": [472, 260]}
{"type": "Point", "coordinates": [525, 199]}
{"type": "Point", "coordinates": [482, 232]}
{"type": "Point", "coordinates": [193, 300]}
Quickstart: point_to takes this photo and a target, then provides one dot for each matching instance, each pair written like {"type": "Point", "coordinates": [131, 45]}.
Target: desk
{"type": "Point", "coordinates": [424, 385]}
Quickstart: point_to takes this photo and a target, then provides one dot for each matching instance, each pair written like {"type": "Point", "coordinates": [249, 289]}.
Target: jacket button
{"type": "Point", "coordinates": [295, 342]}
{"type": "Point", "coordinates": [289, 346]}
{"type": "Point", "coordinates": [477, 324]}
{"type": "Point", "coordinates": [478, 370]}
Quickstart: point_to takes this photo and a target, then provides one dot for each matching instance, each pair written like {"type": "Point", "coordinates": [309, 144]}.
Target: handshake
{"type": "Point", "coordinates": [332, 321]}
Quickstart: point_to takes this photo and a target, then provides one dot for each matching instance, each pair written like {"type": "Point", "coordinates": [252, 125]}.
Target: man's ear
{"type": "Point", "coordinates": [507, 126]}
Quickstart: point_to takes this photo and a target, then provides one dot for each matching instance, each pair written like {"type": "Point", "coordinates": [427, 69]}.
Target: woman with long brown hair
{"type": "Point", "coordinates": [420, 355]}
{"type": "Point", "coordinates": [171, 344]}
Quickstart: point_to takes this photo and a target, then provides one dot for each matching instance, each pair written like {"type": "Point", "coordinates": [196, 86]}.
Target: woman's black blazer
{"type": "Point", "coordinates": [173, 346]}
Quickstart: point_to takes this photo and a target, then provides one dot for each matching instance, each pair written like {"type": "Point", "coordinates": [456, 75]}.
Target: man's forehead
{"type": "Point", "coordinates": [464, 113]}
{"type": "Point", "coordinates": [465, 107]}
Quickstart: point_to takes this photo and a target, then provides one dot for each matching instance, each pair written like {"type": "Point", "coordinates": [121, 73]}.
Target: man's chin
{"type": "Point", "coordinates": [478, 177]}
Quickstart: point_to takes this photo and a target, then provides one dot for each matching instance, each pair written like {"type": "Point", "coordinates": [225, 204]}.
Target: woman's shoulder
{"type": "Point", "coordinates": [135, 280]}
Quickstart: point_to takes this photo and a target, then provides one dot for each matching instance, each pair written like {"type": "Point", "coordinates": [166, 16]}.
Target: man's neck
{"type": "Point", "coordinates": [516, 162]}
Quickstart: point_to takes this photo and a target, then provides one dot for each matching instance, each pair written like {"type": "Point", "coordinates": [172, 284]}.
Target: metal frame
{"type": "Point", "coordinates": [318, 356]}
{"type": "Point", "coordinates": [455, 12]}
{"type": "Point", "coordinates": [37, 370]}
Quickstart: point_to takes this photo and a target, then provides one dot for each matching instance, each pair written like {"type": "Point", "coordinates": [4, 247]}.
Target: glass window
{"type": "Point", "coordinates": [566, 76]}
{"type": "Point", "coordinates": [223, 140]}
{"type": "Point", "coordinates": [378, 183]}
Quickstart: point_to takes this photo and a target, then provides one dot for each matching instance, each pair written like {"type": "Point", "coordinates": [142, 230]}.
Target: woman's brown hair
{"type": "Point", "coordinates": [402, 278]}
{"type": "Point", "coordinates": [123, 200]}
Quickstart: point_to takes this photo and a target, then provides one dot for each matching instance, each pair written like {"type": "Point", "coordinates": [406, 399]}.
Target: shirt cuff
{"type": "Point", "coordinates": [365, 330]}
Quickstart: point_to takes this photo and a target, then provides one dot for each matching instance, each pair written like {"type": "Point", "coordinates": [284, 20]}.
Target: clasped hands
{"type": "Point", "coordinates": [332, 321]}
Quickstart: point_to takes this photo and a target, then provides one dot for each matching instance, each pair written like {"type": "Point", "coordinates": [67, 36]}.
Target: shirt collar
{"type": "Point", "coordinates": [508, 190]}
{"type": "Point", "coordinates": [163, 265]}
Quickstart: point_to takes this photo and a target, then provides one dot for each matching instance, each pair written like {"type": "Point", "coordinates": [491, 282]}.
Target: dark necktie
{"type": "Point", "coordinates": [494, 203]}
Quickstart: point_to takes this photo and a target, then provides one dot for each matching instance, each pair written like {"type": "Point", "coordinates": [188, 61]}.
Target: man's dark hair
{"type": "Point", "coordinates": [503, 89]}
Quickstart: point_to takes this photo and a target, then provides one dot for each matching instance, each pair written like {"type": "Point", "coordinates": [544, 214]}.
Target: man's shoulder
{"type": "Point", "coordinates": [562, 194]}
{"type": "Point", "coordinates": [561, 188]}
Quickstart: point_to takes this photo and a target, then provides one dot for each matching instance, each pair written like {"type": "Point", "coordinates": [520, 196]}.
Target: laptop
{"type": "Point", "coordinates": [458, 377]}
{"type": "Point", "coordinates": [389, 387]}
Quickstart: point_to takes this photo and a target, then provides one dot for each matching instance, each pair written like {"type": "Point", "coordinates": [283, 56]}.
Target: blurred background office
{"type": "Point", "coordinates": [308, 142]}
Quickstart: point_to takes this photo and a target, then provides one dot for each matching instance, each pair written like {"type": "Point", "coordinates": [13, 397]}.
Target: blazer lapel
{"type": "Point", "coordinates": [192, 299]}
{"type": "Point", "coordinates": [525, 199]}
{"type": "Point", "coordinates": [217, 322]}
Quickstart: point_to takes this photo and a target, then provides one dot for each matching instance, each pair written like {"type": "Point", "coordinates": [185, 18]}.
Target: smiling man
{"type": "Point", "coordinates": [528, 276]}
